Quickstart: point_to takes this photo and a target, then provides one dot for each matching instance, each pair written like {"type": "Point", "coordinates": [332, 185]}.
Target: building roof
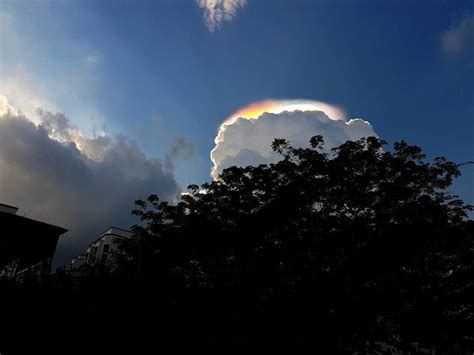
{"type": "Point", "coordinates": [7, 208]}
{"type": "Point", "coordinates": [6, 216]}
{"type": "Point", "coordinates": [26, 240]}
{"type": "Point", "coordinates": [118, 232]}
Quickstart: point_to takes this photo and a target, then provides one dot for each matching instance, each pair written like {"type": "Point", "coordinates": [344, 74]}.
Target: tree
{"type": "Point", "coordinates": [353, 250]}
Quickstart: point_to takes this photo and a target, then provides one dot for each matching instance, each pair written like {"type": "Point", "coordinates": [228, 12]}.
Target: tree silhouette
{"type": "Point", "coordinates": [356, 249]}
{"type": "Point", "coordinates": [360, 249]}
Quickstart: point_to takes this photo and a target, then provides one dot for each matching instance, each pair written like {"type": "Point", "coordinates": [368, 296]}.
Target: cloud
{"type": "Point", "coordinates": [92, 59]}
{"type": "Point", "coordinates": [57, 175]}
{"type": "Point", "coordinates": [21, 86]}
{"type": "Point", "coordinates": [182, 149]}
{"type": "Point", "coordinates": [218, 11]}
{"type": "Point", "coordinates": [460, 37]}
{"type": "Point", "coordinates": [247, 141]}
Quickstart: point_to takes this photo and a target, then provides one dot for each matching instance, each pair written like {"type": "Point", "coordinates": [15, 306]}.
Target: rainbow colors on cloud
{"type": "Point", "coordinates": [256, 109]}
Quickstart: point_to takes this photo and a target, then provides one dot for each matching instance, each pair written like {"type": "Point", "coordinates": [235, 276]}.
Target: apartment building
{"type": "Point", "coordinates": [100, 255]}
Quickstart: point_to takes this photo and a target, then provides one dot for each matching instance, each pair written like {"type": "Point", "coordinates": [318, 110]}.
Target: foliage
{"type": "Point", "coordinates": [351, 250]}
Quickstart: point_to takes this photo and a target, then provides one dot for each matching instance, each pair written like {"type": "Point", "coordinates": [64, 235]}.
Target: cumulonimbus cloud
{"type": "Point", "coordinates": [218, 11]}
{"type": "Point", "coordinates": [460, 37]}
{"type": "Point", "coordinates": [245, 138]}
{"type": "Point", "coordinates": [57, 175]}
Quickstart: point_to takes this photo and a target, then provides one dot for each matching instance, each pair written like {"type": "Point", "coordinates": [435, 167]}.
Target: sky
{"type": "Point", "coordinates": [152, 81]}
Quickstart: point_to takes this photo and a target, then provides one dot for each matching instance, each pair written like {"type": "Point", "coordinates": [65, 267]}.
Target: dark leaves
{"type": "Point", "coordinates": [359, 241]}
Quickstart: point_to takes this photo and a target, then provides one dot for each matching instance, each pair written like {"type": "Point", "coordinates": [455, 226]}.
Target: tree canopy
{"type": "Point", "coordinates": [356, 249]}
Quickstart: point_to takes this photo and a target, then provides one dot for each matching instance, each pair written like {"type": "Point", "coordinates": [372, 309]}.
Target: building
{"type": "Point", "coordinates": [26, 246]}
{"type": "Point", "coordinates": [100, 255]}
{"type": "Point", "coordinates": [106, 247]}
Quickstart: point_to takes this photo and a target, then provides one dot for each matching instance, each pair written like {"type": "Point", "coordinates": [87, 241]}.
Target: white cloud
{"type": "Point", "coordinates": [55, 174]}
{"type": "Point", "coordinates": [218, 11]}
{"type": "Point", "coordinates": [20, 86]}
{"type": "Point", "coordinates": [460, 37]}
{"type": "Point", "coordinates": [247, 141]}
{"type": "Point", "coordinates": [6, 108]}
{"type": "Point", "coordinates": [92, 59]}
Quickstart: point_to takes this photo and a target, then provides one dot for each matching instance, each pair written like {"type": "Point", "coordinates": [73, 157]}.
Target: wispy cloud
{"type": "Point", "coordinates": [92, 59]}
{"type": "Point", "coordinates": [460, 37]}
{"type": "Point", "coordinates": [218, 11]}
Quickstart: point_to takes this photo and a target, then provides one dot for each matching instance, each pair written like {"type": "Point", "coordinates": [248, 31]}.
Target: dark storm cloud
{"type": "Point", "coordinates": [56, 175]}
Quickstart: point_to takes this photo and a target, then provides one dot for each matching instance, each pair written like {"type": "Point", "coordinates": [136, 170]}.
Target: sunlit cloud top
{"type": "Point", "coordinates": [250, 130]}
{"type": "Point", "coordinates": [256, 109]}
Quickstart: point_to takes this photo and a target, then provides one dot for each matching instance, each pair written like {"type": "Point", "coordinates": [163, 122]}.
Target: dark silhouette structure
{"type": "Point", "coordinates": [26, 246]}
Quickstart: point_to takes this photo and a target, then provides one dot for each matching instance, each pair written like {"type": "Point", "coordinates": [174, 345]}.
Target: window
{"type": "Point", "coordinates": [106, 248]}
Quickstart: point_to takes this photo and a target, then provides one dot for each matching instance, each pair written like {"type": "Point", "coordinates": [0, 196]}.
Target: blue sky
{"type": "Point", "coordinates": [153, 71]}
